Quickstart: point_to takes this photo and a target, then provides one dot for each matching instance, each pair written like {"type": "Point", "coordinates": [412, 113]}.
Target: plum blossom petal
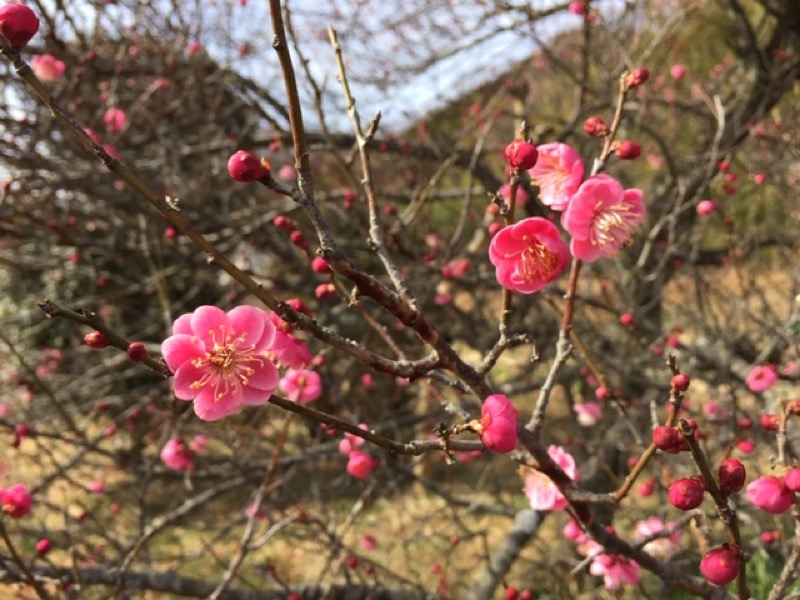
{"type": "Point", "coordinates": [558, 173]}
{"type": "Point", "coordinates": [528, 255]}
{"type": "Point", "coordinates": [601, 217]}
{"type": "Point", "coordinates": [222, 361]}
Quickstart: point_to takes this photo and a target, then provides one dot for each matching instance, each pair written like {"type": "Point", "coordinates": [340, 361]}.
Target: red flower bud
{"type": "Point", "coordinates": [498, 424]}
{"type": "Point", "coordinates": [732, 474]}
{"type": "Point", "coordinates": [299, 239]}
{"type": "Point", "coordinates": [669, 439]}
{"type": "Point", "coordinates": [320, 265]}
{"type": "Point", "coordinates": [636, 77]}
{"type": "Point", "coordinates": [720, 565]}
{"type": "Point", "coordinates": [136, 351]}
{"type": "Point", "coordinates": [246, 166]}
{"type": "Point", "coordinates": [18, 24]}
{"type": "Point", "coordinates": [769, 422]}
{"type": "Point", "coordinates": [595, 126]}
{"type": "Point", "coordinates": [521, 155]}
{"type": "Point", "coordinates": [681, 382]}
{"type": "Point", "coordinates": [284, 223]}
{"type": "Point", "coordinates": [687, 493]}
{"type": "Point", "coordinates": [627, 149]}
{"type": "Point", "coordinates": [95, 340]}
{"type": "Point", "coordinates": [43, 546]}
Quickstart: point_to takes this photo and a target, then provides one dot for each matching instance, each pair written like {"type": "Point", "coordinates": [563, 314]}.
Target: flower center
{"type": "Point", "coordinates": [228, 364]}
{"type": "Point", "coordinates": [613, 226]}
{"type": "Point", "coordinates": [537, 262]}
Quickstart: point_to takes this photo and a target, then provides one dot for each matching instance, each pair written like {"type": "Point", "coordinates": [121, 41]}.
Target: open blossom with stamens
{"type": "Point", "coordinates": [528, 255]}
{"type": "Point", "coordinates": [221, 361]}
{"type": "Point", "coordinates": [601, 217]}
{"type": "Point", "coordinates": [558, 173]}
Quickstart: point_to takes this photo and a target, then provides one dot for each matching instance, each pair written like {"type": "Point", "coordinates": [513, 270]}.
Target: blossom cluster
{"type": "Point", "coordinates": [599, 214]}
{"type": "Point", "coordinates": [225, 361]}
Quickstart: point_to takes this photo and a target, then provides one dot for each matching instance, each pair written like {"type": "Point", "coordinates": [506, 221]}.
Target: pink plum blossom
{"type": "Point", "coordinates": [588, 413]}
{"type": "Point", "coordinates": [601, 217]}
{"type": "Point", "coordinates": [615, 570]}
{"type": "Point", "coordinates": [558, 173]}
{"type": "Point", "coordinates": [16, 500]}
{"type": "Point", "coordinates": [770, 494]}
{"type": "Point", "coordinates": [540, 489]}
{"type": "Point", "coordinates": [301, 385]}
{"type": "Point", "coordinates": [115, 120]}
{"type": "Point", "coordinates": [360, 464]}
{"type": "Point", "coordinates": [528, 255]}
{"type": "Point", "coordinates": [221, 361]}
{"type": "Point", "coordinates": [456, 268]}
{"type": "Point", "coordinates": [290, 351]}
{"type": "Point", "coordinates": [47, 67]}
{"type": "Point", "coordinates": [498, 424]}
{"type": "Point", "coordinates": [761, 378]}
{"type": "Point", "coordinates": [352, 441]}
{"type": "Point", "coordinates": [663, 547]}
{"type": "Point", "coordinates": [177, 456]}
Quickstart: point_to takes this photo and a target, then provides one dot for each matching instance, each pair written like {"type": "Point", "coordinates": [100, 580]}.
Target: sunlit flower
{"type": "Point", "coordinates": [761, 378]}
{"type": "Point", "coordinates": [47, 67]}
{"type": "Point", "coordinates": [528, 255]}
{"type": "Point", "coordinates": [221, 361]}
{"type": "Point", "coordinates": [615, 570]}
{"type": "Point", "coordinates": [770, 494]}
{"type": "Point", "coordinates": [558, 173]}
{"type": "Point", "coordinates": [663, 547]}
{"type": "Point", "coordinates": [601, 217]}
{"type": "Point", "coordinates": [540, 489]}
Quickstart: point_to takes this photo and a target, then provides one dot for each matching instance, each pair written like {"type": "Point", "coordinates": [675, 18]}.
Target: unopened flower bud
{"type": "Point", "coordinates": [720, 565]}
{"type": "Point", "coordinates": [668, 439]}
{"type": "Point", "coordinates": [687, 493]}
{"type": "Point", "coordinates": [299, 239]}
{"type": "Point", "coordinates": [43, 546]}
{"type": "Point", "coordinates": [595, 126]}
{"type": "Point", "coordinates": [521, 155]}
{"type": "Point", "coordinates": [136, 351]}
{"type": "Point", "coordinates": [246, 166]}
{"type": "Point", "coordinates": [18, 24]}
{"type": "Point", "coordinates": [320, 265]}
{"type": "Point", "coordinates": [732, 474]}
{"type": "Point", "coordinates": [95, 340]}
{"type": "Point", "coordinates": [769, 422]}
{"type": "Point", "coordinates": [636, 77]}
{"type": "Point", "coordinates": [680, 382]}
{"type": "Point", "coordinates": [627, 149]}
